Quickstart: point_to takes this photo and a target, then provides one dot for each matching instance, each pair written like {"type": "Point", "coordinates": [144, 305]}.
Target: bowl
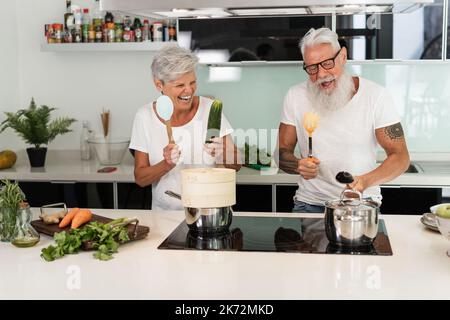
{"type": "Point", "coordinates": [443, 225]}
{"type": "Point", "coordinates": [109, 151]}
{"type": "Point", "coordinates": [434, 208]}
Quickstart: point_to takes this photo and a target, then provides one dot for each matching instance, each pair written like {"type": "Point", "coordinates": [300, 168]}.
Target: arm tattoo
{"type": "Point", "coordinates": [394, 132]}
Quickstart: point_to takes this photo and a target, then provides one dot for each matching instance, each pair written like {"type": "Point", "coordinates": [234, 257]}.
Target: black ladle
{"type": "Point", "coordinates": [344, 177]}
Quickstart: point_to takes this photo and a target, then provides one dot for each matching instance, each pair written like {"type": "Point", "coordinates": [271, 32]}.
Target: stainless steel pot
{"type": "Point", "coordinates": [351, 222]}
{"type": "Point", "coordinates": [206, 220]}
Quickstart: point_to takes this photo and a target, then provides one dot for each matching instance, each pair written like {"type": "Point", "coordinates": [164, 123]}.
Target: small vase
{"type": "Point", "coordinates": [37, 156]}
{"type": "Point", "coordinates": [24, 235]}
{"type": "Point", "coordinates": [8, 220]}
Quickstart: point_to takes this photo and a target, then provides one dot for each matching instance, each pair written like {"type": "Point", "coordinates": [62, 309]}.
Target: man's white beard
{"type": "Point", "coordinates": [324, 100]}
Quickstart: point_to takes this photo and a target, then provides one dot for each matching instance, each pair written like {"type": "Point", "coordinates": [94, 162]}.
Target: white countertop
{"type": "Point", "coordinates": [67, 166]}
{"type": "Point", "coordinates": [418, 269]}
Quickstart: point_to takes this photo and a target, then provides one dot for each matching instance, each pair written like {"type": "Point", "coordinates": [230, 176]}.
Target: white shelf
{"type": "Point", "coordinates": [114, 46]}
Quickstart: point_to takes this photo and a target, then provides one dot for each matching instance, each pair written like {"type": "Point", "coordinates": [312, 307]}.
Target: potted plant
{"type": "Point", "coordinates": [34, 127]}
{"type": "Point", "coordinates": [10, 198]}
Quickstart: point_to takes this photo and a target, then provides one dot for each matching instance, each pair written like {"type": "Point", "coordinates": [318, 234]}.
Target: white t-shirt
{"type": "Point", "coordinates": [149, 135]}
{"type": "Point", "coordinates": [343, 141]}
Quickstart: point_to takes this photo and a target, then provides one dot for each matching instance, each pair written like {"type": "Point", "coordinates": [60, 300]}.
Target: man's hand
{"type": "Point", "coordinates": [308, 168]}
{"type": "Point", "coordinates": [171, 154]}
{"type": "Point", "coordinates": [358, 184]}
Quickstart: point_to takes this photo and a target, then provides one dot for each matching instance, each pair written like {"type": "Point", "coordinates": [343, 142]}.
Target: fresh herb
{"type": "Point", "coordinates": [104, 238]}
{"type": "Point", "coordinates": [11, 195]}
{"type": "Point", "coordinates": [10, 198]}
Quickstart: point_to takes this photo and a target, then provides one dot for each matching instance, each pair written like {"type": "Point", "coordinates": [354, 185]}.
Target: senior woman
{"type": "Point", "coordinates": [158, 162]}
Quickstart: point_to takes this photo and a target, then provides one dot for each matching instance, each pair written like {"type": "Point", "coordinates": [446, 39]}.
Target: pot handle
{"type": "Point", "coordinates": [173, 194]}
{"type": "Point", "coordinates": [354, 191]}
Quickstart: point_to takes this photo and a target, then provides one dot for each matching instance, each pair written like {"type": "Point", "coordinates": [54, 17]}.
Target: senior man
{"type": "Point", "coordinates": [355, 115]}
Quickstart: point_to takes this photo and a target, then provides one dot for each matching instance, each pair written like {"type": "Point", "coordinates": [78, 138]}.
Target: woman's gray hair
{"type": "Point", "coordinates": [319, 36]}
{"type": "Point", "coordinates": [172, 62]}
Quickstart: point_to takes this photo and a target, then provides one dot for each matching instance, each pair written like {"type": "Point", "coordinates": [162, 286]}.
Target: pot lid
{"type": "Point", "coordinates": [352, 203]}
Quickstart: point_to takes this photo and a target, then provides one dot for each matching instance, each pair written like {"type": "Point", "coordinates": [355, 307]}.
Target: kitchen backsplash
{"type": "Point", "coordinates": [253, 95]}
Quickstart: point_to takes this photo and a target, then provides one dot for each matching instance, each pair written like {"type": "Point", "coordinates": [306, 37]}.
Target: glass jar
{"type": "Point", "coordinates": [7, 223]}
{"type": "Point", "coordinates": [24, 234]}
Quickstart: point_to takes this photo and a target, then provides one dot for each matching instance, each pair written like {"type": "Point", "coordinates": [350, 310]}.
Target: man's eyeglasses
{"type": "Point", "coordinates": [326, 64]}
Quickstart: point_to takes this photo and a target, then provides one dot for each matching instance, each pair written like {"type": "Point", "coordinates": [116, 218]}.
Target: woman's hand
{"type": "Point", "coordinates": [215, 149]}
{"type": "Point", "coordinates": [171, 154]}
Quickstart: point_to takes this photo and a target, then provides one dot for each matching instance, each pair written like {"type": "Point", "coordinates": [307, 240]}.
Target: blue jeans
{"type": "Point", "coordinates": [300, 206]}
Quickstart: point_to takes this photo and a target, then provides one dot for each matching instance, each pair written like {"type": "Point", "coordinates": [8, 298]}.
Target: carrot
{"type": "Point", "coordinates": [82, 216]}
{"type": "Point", "coordinates": [68, 217]}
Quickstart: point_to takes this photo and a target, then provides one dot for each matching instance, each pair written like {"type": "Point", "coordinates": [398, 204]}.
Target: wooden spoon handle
{"type": "Point", "coordinates": [169, 132]}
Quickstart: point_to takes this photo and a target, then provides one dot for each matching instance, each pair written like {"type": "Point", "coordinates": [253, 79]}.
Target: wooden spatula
{"type": "Point", "coordinates": [164, 108]}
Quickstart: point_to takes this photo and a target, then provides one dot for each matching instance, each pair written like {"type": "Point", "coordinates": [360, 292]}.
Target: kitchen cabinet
{"type": "Point", "coordinates": [74, 194]}
{"type": "Point", "coordinates": [285, 197]}
{"type": "Point", "coordinates": [87, 194]}
{"type": "Point", "coordinates": [409, 200]}
{"type": "Point", "coordinates": [132, 196]}
{"type": "Point", "coordinates": [253, 198]}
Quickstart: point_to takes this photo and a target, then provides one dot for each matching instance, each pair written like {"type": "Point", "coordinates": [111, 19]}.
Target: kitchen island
{"type": "Point", "coordinates": [418, 269]}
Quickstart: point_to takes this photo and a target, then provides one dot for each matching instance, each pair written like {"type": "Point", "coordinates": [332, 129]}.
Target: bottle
{"type": "Point", "coordinates": [77, 31]}
{"type": "Point", "coordinates": [68, 16]}
{"type": "Point", "coordinates": [145, 31]}
{"type": "Point", "coordinates": [157, 31]}
{"type": "Point", "coordinates": [119, 29]}
{"type": "Point", "coordinates": [97, 21]}
{"type": "Point", "coordinates": [109, 18]}
{"type": "Point", "coordinates": [127, 29]}
{"type": "Point", "coordinates": [86, 20]}
{"type": "Point", "coordinates": [165, 31]}
{"type": "Point", "coordinates": [172, 30]}
{"type": "Point", "coordinates": [84, 145]}
{"type": "Point", "coordinates": [24, 234]}
{"type": "Point", "coordinates": [137, 30]}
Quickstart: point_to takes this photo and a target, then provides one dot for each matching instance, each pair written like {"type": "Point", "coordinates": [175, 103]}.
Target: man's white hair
{"type": "Point", "coordinates": [172, 62]}
{"type": "Point", "coordinates": [319, 36]}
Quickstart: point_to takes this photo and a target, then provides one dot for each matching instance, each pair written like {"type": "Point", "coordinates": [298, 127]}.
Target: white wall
{"type": "Point", "coordinates": [9, 82]}
{"type": "Point", "coordinates": [79, 84]}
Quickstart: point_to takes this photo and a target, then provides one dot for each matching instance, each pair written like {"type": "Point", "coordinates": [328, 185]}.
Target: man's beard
{"type": "Point", "coordinates": [326, 100]}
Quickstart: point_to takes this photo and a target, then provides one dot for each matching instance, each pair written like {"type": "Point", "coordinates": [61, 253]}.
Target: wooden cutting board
{"type": "Point", "coordinates": [134, 232]}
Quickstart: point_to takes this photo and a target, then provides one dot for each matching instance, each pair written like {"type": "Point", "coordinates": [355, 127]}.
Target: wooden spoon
{"type": "Point", "coordinates": [164, 108]}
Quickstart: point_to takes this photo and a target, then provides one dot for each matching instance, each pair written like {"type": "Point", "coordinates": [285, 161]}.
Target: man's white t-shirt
{"type": "Point", "coordinates": [149, 135]}
{"type": "Point", "coordinates": [344, 139]}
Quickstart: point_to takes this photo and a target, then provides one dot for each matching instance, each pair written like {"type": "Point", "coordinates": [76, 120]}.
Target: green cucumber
{"type": "Point", "coordinates": [214, 121]}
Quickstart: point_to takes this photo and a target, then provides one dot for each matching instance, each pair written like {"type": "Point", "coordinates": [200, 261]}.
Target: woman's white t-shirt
{"type": "Point", "coordinates": [149, 135]}
{"type": "Point", "coordinates": [344, 139]}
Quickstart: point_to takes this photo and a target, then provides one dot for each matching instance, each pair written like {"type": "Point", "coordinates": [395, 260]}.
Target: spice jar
{"type": "Point", "coordinates": [57, 32]}
{"type": "Point", "coordinates": [24, 234]}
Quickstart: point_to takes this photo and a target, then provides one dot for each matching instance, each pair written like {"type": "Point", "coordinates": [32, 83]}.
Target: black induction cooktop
{"type": "Point", "coordinates": [272, 234]}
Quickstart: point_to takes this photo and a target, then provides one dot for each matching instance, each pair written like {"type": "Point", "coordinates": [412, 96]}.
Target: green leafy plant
{"type": "Point", "coordinates": [10, 198]}
{"type": "Point", "coordinates": [33, 124]}
{"type": "Point", "coordinates": [11, 195]}
{"type": "Point", "coordinates": [103, 237]}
